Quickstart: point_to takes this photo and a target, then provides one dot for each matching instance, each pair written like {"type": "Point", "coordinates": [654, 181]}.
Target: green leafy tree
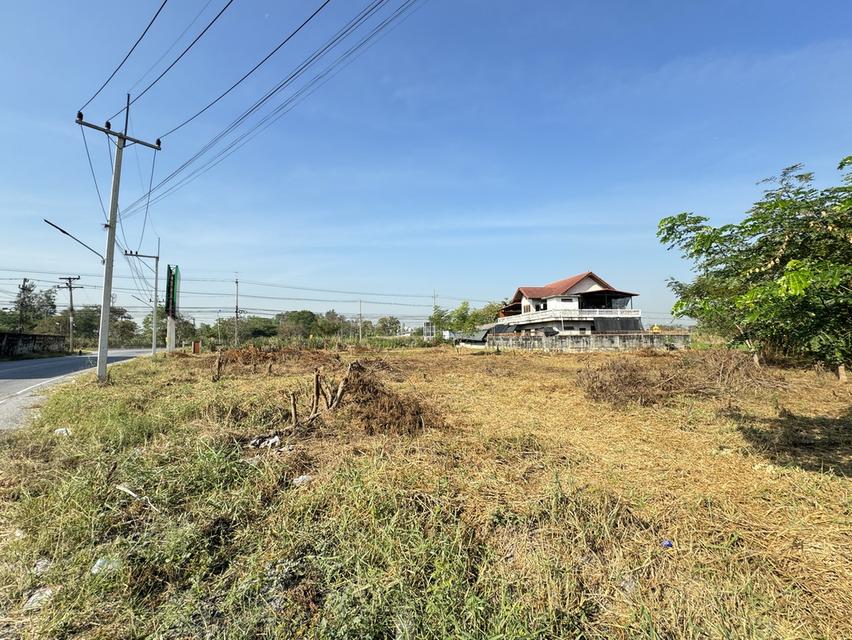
{"type": "Point", "coordinates": [388, 326]}
{"type": "Point", "coordinates": [440, 319]}
{"type": "Point", "coordinates": [32, 307]}
{"type": "Point", "coordinates": [781, 279]}
{"type": "Point", "coordinates": [296, 324]}
{"type": "Point", "coordinates": [259, 327]}
{"type": "Point", "coordinates": [184, 328]}
{"type": "Point", "coordinates": [332, 324]}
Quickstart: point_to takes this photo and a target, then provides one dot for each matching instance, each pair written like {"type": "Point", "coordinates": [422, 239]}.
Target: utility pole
{"type": "Point", "coordinates": [237, 314]}
{"type": "Point", "coordinates": [70, 286]}
{"type": "Point", "coordinates": [156, 259]}
{"type": "Point", "coordinates": [360, 322]}
{"type": "Point", "coordinates": [22, 288]}
{"type": "Point", "coordinates": [106, 299]}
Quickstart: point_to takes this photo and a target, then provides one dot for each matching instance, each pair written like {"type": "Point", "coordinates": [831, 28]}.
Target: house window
{"type": "Point", "coordinates": [569, 328]}
{"type": "Point", "coordinates": [526, 308]}
{"type": "Point", "coordinates": [567, 299]}
{"type": "Point", "coordinates": [582, 329]}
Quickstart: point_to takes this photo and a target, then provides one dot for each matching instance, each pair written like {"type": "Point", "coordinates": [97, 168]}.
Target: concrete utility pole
{"type": "Point", "coordinates": [68, 284]}
{"type": "Point", "coordinates": [22, 289]}
{"type": "Point", "coordinates": [106, 299]}
{"type": "Point", "coordinates": [237, 315]}
{"type": "Point", "coordinates": [156, 259]}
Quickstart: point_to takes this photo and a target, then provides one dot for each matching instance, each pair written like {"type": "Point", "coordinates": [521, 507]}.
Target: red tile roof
{"type": "Point", "coordinates": [561, 287]}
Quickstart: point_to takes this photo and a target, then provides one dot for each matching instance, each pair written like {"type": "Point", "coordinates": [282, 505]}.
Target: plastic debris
{"type": "Point", "coordinates": [105, 564]}
{"type": "Point", "coordinates": [42, 565]}
{"type": "Point", "coordinates": [298, 482]}
{"type": "Point", "coordinates": [62, 431]}
{"type": "Point", "coordinates": [38, 598]}
{"type": "Point", "coordinates": [628, 584]}
{"type": "Point", "coordinates": [667, 544]}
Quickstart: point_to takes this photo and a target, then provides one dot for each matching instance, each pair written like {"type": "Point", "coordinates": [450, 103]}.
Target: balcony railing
{"type": "Point", "coordinates": [569, 314]}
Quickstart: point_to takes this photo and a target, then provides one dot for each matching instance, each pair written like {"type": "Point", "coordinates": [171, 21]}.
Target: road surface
{"type": "Point", "coordinates": [20, 378]}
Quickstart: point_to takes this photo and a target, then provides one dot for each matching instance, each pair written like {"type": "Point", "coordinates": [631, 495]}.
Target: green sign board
{"type": "Point", "coordinates": [172, 290]}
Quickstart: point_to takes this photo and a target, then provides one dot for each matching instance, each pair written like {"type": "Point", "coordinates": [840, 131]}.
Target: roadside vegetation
{"type": "Point", "coordinates": [447, 494]}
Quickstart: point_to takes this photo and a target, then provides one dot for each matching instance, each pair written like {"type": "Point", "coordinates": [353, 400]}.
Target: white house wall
{"type": "Point", "coordinates": [563, 302]}
{"type": "Point", "coordinates": [585, 285]}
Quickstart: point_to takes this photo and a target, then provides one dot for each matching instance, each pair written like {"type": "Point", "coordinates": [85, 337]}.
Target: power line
{"type": "Point", "coordinates": [273, 285]}
{"type": "Point", "coordinates": [347, 29]}
{"type": "Point", "coordinates": [148, 201]}
{"type": "Point", "coordinates": [171, 46]}
{"type": "Point", "coordinates": [251, 71]}
{"type": "Point", "coordinates": [182, 54]}
{"type": "Point", "coordinates": [92, 169]}
{"type": "Point", "coordinates": [285, 107]}
{"type": "Point", "coordinates": [120, 64]}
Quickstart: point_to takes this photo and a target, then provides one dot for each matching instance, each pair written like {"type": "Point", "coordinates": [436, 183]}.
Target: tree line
{"type": "Point", "coordinates": [35, 311]}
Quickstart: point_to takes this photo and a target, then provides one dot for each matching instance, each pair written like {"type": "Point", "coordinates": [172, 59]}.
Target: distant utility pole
{"type": "Point", "coordinates": [156, 259]}
{"type": "Point", "coordinates": [237, 314]}
{"type": "Point", "coordinates": [106, 300]}
{"type": "Point", "coordinates": [69, 284]}
{"type": "Point", "coordinates": [22, 304]}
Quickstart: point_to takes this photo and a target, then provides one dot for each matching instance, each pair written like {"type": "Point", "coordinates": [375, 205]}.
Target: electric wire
{"type": "Point", "coordinates": [148, 201]}
{"type": "Point", "coordinates": [353, 24]}
{"type": "Point", "coordinates": [120, 64]}
{"type": "Point", "coordinates": [92, 169]}
{"type": "Point", "coordinates": [287, 106]}
{"type": "Point", "coordinates": [251, 71]}
{"type": "Point", "coordinates": [182, 54]}
{"type": "Point", "coordinates": [171, 46]}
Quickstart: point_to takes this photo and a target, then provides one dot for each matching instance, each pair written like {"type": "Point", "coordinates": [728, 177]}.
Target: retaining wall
{"type": "Point", "coordinates": [19, 344]}
{"type": "Point", "coordinates": [592, 342]}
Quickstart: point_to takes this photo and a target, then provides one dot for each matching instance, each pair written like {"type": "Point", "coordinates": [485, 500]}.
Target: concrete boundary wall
{"type": "Point", "coordinates": [592, 342]}
{"type": "Point", "coordinates": [19, 344]}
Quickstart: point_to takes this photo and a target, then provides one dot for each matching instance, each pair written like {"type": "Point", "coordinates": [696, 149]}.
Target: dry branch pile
{"type": "Point", "coordinates": [361, 398]}
{"type": "Point", "coordinates": [718, 373]}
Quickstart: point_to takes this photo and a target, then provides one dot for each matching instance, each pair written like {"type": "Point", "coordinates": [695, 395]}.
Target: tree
{"type": "Point", "coordinates": [440, 319]}
{"type": "Point", "coordinates": [463, 319]}
{"type": "Point", "coordinates": [781, 279]}
{"type": "Point", "coordinates": [184, 328]}
{"type": "Point", "coordinates": [33, 306]}
{"type": "Point", "coordinates": [259, 327]}
{"type": "Point", "coordinates": [388, 326]}
{"type": "Point", "coordinates": [331, 324]}
{"type": "Point", "coordinates": [296, 324]}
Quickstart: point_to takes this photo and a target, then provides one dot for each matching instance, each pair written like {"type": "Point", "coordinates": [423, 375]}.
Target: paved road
{"type": "Point", "coordinates": [18, 379]}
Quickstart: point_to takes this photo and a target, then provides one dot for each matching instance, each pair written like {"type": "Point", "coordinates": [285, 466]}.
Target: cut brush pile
{"type": "Point", "coordinates": [718, 373]}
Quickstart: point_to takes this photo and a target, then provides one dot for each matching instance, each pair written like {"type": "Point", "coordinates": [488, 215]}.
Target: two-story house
{"type": "Point", "coordinates": [583, 303]}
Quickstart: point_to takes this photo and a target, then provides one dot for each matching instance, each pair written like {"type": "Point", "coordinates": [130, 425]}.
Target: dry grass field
{"type": "Point", "coordinates": [451, 494]}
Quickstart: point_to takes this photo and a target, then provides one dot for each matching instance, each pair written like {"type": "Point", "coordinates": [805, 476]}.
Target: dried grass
{"type": "Point", "coordinates": [534, 513]}
{"type": "Point", "coordinates": [718, 373]}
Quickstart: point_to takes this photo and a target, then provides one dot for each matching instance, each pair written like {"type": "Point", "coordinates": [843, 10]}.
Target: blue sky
{"type": "Point", "coordinates": [476, 147]}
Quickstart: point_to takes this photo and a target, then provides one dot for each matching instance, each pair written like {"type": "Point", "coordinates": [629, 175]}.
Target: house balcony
{"type": "Point", "coordinates": [551, 315]}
